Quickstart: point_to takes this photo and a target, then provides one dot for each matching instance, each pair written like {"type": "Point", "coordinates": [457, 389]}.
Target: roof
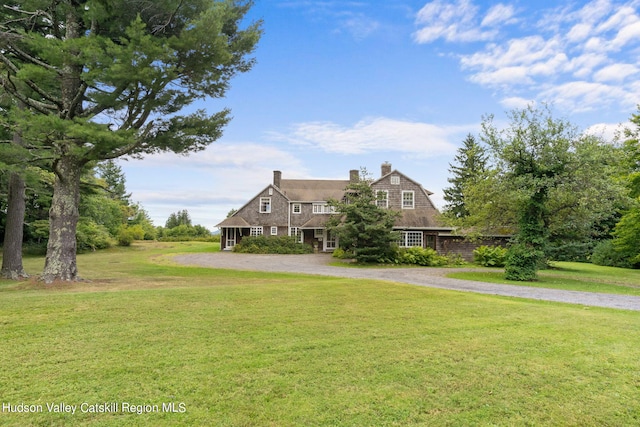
{"type": "Point", "coordinates": [418, 218]}
{"type": "Point", "coordinates": [317, 221]}
{"type": "Point", "coordinates": [397, 172]}
{"type": "Point", "coordinates": [234, 221]}
{"type": "Point", "coordinates": [313, 190]}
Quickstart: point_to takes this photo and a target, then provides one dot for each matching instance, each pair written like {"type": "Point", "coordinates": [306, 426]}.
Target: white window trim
{"type": "Point", "coordinates": [413, 199]}
{"type": "Point", "coordinates": [395, 179]}
{"type": "Point", "coordinates": [274, 230]}
{"type": "Point", "coordinates": [268, 206]}
{"type": "Point", "coordinates": [404, 240]}
{"type": "Point", "coordinates": [256, 231]}
{"type": "Point", "coordinates": [293, 208]}
{"type": "Point", "coordinates": [323, 208]}
{"type": "Point", "coordinates": [296, 231]}
{"type": "Point", "coordinates": [385, 200]}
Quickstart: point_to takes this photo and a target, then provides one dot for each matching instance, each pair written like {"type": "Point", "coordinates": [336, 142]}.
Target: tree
{"type": "Point", "coordinates": [626, 235]}
{"type": "Point", "coordinates": [12, 267]}
{"type": "Point", "coordinates": [535, 156]}
{"type": "Point", "coordinates": [362, 227]}
{"type": "Point", "coordinates": [115, 180]}
{"type": "Point", "coordinates": [101, 79]}
{"type": "Point", "coordinates": [470, 167]}
{"type": "Point", "coordinates": [179, 218]}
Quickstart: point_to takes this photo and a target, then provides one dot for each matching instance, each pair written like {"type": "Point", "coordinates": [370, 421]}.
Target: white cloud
{"type": "Point", "coordinates": [585, 55]}
{"type": "Point", "coordinates": [515, 102]}
{"type": "Point", "coordinates": [499, 14]}
{"type": "Point", "coordinates": [374, 135]}
{"type": "Point", "coordinates": [453, 22]}
{"type": "Point", "coordinates": [606, 131]}
{"type": "Point", "coordinates": [579, 32]}
{"type": "Point", "coordinates": [615, 73]}
{"type": "Point", "coordinates": [580, 96]}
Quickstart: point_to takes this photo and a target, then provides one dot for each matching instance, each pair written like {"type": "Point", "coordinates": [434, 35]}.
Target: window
{"type": "Point", "coordinates": [265, 204]}
{"type": "Point", "coordinates": [323, 208]}
{"type": "Point", "coordinates": [274, 231]}
{"type": "Point", "coordinates": [297, 208]}
{"type": "Point", "coordinates": [407, 200]}
{"type": "Point", "coordinates": [317, 232]}
{"type": "Point", "coordinates": [410, 239]}
{"type": "Point", "coordinates": [256, 231]}
{"type": "Point", "coordinates": [271, 191]}
{"type": "Point", "coordinates": [382, 199]}
{"type": "Point", "coordinates": [395, 180]}
{"type": "Point", "coordinates": [296, 231]}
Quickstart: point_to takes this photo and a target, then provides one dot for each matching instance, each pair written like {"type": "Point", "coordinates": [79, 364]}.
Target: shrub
{"type": "Point", "coordinates": [490, 256]}
{"type": "Point", "coordinates": [272, 245]}
{"type": "Point", "coordinates": [605, 253]}
{"type": "Point", "coordinates": [522, 263]}
{"type": "Point", "coordinates": [127, 234]}
{"type": "Point", "coordinates": [571, 251]}
{"type": "Point", "coordinates": [426, 257]}
{"type": "Point", "coordinates": [91, 236]}
{"type": "Point", "coordinates": [341, 254]}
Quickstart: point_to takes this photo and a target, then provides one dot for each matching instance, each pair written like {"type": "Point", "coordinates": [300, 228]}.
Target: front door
{"type": "Point", "coordinates": [231, 239]}
{"type": "Point", "coordinates": [330, 241]}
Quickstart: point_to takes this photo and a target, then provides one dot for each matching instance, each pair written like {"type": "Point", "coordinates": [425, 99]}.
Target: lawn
{"type": "Point", "coordinates": [254, 349]}
{"type": "Point", "coordinates": [572, 276]}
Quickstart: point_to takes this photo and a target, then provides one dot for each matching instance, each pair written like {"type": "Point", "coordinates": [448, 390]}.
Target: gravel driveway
{"type": "Point", "coordinates": [431, 277]}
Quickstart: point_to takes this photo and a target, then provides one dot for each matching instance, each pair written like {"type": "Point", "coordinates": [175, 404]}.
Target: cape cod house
{"type": "Point", "coordinates": [298, 207]}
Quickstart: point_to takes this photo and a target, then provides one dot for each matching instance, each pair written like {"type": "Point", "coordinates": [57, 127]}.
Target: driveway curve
{"type": "Point", "coordinates": [318, 264]}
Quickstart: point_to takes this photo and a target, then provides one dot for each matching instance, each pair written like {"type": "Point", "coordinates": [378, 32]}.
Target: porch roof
{"type": "Point", "coordinates": [234, 221]}
{"type": "Point", "coordinates": [318, 221]}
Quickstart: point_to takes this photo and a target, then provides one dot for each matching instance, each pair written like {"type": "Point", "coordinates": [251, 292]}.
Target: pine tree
{"type": "Point", "coordinates": [101, 79]}
{"type": "Point", "coordinates": [469, 167]}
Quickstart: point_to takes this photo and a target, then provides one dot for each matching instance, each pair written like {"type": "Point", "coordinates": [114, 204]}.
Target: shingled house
{"type": "Point", "coordinates": [298, 207]}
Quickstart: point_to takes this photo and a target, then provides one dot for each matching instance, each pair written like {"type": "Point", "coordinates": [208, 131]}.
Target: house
{"type": "Point", "coordinates": [298, 207]}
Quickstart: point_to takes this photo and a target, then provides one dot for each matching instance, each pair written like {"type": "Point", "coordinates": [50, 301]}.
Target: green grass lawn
{"type": "Point", "coordinates": [572, 276]}
{"type": "Point", "coordinates": [256, 349]}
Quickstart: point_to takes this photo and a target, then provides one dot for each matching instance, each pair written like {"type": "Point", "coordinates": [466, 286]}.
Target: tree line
{"type": "Point", "coordinates": [562, 194]}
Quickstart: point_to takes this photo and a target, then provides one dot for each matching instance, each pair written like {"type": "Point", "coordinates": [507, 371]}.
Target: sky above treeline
{"type": "Point", "coordinates": [341, 85]}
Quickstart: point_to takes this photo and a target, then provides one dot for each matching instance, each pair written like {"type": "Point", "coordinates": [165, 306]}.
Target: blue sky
{"type": "Point", "coordinates": [341, 85]}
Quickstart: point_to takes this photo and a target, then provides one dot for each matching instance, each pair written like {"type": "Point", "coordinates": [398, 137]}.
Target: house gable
{"type": "Point", "coordinates": [254, 213]}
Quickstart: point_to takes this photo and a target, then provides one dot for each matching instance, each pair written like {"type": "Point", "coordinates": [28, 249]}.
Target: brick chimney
{"type": "Point", "coordinates": [277, 177]}
{"type": "Point", "coordinates": [354, 176]}
{"type": "Point", "coordinates": [385, 168]}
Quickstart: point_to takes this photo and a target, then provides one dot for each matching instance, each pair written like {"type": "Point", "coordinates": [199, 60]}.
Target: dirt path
{"type": "Point", "coordinates": [431, 277]}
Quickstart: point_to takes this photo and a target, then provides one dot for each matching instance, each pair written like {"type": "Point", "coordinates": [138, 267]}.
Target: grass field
{"type": "Point", "coordinates": [255, 349]}
{"type": "Point", "coordinates": [571, 276]}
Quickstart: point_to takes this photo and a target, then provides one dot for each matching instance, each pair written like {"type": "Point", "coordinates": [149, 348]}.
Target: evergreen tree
{"type": "Point", "coordinates": [115, 180]}
{"type": "Point", "coordinates": [469, 167]}
{"type": "Point", "coordinates": [362, 227]}
{"type": "Point", "coordinates": [101, 79]}
{"type": "Point", "coordinates": [179, 218]}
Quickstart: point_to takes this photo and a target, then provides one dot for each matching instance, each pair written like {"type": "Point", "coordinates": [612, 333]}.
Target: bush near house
{"type": "Point", "coordinates": [425, 257]}
{"type": "Point", "coordinates": [272, 245]}
{"type": "Point", "coordinates": [490, 256]}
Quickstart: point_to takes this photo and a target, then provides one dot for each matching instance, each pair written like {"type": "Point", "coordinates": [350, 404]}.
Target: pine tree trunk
{"type": "Point", "coordinates": [12, 248]}
{"type": "Point", "coordinates": [60, 263]}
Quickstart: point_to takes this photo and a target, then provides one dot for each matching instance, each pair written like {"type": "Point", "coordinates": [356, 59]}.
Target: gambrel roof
{"type": "Point", "coordinates": [313, 190]}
